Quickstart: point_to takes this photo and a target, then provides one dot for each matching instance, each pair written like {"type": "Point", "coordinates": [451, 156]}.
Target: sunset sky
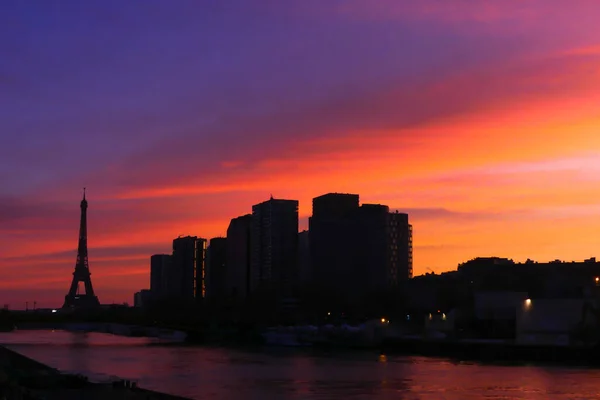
{"type": "Point", "coordinates": [481, 119]}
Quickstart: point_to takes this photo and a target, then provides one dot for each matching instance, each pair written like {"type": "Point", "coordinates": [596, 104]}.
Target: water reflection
{"type": "Point", "coordinates": [76, 352]}
{"type": "Point", "coordinates": [208, 373]}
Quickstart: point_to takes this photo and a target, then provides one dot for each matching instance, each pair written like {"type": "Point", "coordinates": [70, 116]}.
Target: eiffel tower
{"type": "Point", "coordinates": [75, 299]}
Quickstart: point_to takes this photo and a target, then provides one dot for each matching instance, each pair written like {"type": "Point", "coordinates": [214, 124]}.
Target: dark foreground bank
{"type": "Point", "coordinates": [27, 379]}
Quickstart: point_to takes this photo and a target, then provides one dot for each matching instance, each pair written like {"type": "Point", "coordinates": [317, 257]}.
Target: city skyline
{"type": "Point", "coordinates": [478, 120]}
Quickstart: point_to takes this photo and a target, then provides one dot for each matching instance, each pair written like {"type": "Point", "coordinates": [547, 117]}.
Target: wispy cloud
{"type": "Point", "coordinates": [478, 118]}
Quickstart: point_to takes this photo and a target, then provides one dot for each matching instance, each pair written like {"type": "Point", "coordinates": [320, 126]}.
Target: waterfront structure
{"type": "Point", "coordinates": [496, 312]}
{"type": "Point", "coordinates": [160, 264]}
{"type": "Point", "coordinates": [237, 281]}
{"type": "Point", "coordinates": [75, 298]}
{"type": "Point", "coordinates": [274, 246]}
{"type": "Point", "coordinates": [561, 321]}
{"type": "Point", "coordinates": [186, 277]}
{"type": "Point", "coordinates": [216, 268]}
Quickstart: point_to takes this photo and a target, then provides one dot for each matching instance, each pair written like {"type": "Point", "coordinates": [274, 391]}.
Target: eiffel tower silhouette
{"type": "Point", "coordinates": [74, 299]}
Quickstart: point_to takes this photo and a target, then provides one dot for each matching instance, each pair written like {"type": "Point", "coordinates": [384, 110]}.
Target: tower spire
{"type": "Point", "coordinates": [82, 271]}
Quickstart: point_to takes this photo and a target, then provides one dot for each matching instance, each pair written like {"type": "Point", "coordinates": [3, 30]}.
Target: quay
{"type": "Point", "coordinates": [22, 378]}
{"type": "Point", "coordinates": [496, 351]}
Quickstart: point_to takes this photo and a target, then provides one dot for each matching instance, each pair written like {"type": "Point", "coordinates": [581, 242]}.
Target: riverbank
{"type": "Point", "coordinates": [25, 378]}
{"type": "Point", "coordinates": [506, 351]}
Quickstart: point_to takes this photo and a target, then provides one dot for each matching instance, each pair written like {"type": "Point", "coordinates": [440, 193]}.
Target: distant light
{"type": "Point", "coordinates": [383, 320]}
{"type": "Point", "coordinates": [444, 316]}
{"type": "Point", "coordinates": [328, 313]}
{"type": "Point", "coordinates": [527, 302]}
{"type": "Point", "coordinates": [53, 311]}
{"type": "Point", "coordinates": [597, 279]}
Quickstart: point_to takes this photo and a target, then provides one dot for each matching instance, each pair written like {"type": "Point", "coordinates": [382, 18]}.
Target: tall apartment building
{"type": "Point", "coordinates": [274, 246]}
{"type": "Point", "coordinates": [187, 278]}
{"type": "Point", "coordinates": [237, 281]}
{"type": "Point", "coordinates": [401, 247]}
{"type": "Point", "coordinates": [216, 268]}
{"type": "Point", "coordinates": [160, 264]}
{"type": "Point", "coordinates": [371, 247]}
{"type": "Point", "coordinates": [358, 250]}
{"type": "Point", "coordinates": [332, 243]}
{"type": "Point", "coordinates": [304, 268]}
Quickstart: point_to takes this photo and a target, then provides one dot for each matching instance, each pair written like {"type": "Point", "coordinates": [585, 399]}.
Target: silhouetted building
{"type": "Point", "coordinates": [186, 278]}
{"type": "Point", "coordinates": [142, 298]}
{"type": "Point", "coordinates": [358, 250]}
{"type": "Point", "coordinates": [334, 205]}
{"type": "Point", "coordinates": [216, 268]}
{"type": "Point", "coordinates": [372, 258]}
{"type": "Point", "coordinates": [332, 243]}
{"type": "Point", "coordinates": [554, 279]}
{"type": "Point", "coordinates": [401, 247]}
{"type": "Point", "coordinates": [274, 250]}
{"type": "Point", "coordinates": [304, 269]}
{"type": "Point", "coordinates": [237, 282]}
{"type": "Point", "coordinates": [160, 264]}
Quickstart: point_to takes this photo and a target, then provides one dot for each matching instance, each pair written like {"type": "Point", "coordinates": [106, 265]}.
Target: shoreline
{"type": "Point", "coordinates": [26, 378]}
{"type": "Point", "coordinates": [484, 351]}
{"type": "Point", "coordinates": [496, 351]}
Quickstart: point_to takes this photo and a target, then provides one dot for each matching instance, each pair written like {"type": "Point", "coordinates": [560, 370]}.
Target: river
{"type": "Point", "coordinates": [224, 373]}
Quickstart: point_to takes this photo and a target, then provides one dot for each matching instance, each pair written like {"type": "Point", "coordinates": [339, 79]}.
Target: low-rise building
{"type": "Point", "coordinates": [142, 298]}
{"type": "Point", "coordinates": [556, 322]}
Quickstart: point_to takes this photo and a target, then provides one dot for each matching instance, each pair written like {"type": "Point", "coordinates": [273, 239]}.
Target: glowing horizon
{"type": "Point", "coordinates": [478, 120]}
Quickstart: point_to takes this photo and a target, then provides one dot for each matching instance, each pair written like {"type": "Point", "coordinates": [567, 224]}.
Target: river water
{"type": "Point", "coordinates": [223, 373]}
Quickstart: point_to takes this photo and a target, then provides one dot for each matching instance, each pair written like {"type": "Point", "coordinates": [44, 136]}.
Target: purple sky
{"type": "Point", "coordinates": [210, 101]}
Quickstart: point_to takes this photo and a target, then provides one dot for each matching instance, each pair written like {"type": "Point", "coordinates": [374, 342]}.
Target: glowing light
{"type": "Point", "coordinates": [527, 303]}
{"type": "Point", "coordinates": [383, 320]}
{"type": "Point", "coordinates": [597, 279]}
{"type": "Point", "coordinates": [53, 311]}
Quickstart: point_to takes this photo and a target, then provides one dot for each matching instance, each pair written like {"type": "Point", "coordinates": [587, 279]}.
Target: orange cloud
{"type": "Point", "coordinates": [497, 161]}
